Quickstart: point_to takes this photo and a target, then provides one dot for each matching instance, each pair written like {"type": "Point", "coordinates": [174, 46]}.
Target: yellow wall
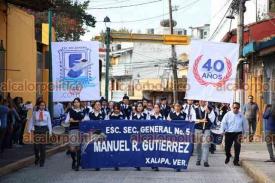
{"type": "Point", "coordinates": [21, 51]}
{"type": "Point", "coordinates": [255, 88]}
{"type": "Point", "coordinates": [3, 26]}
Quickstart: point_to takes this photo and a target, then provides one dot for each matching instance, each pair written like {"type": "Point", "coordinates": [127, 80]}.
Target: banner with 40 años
{"type": "Point", "coordinates": [212, 71]}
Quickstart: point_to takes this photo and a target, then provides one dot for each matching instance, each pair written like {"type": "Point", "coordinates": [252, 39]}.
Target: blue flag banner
{"type": "Point", "coordinates": [122, 143]}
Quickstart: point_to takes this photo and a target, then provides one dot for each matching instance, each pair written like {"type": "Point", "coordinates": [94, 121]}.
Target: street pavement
{"type": "Point", "coordinates": [57, 170]}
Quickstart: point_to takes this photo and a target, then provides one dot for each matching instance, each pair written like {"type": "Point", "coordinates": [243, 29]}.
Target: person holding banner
{"type": "Point", "coordinates": [234, 125]}
{"type": "Point", "coordinates": [116, 114]}
{"type": "Point", "coordinates": [139, 114]}
{"type": "Point", "coordinates": [41, 124]}
{"type": "Point", "coordinates": [156, 115]}
{"type": "Point", "coordinates": [177, 114]}
{"type": "Point", "coordinates": [205, 116]}
{"type": "Point", "coordinates": [75, 116]}
{"type": "Point", "coordinates": [96, 113]}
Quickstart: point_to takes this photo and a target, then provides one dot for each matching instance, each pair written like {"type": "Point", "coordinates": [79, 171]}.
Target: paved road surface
{"type": "Point", "coordinates": [57, 170]}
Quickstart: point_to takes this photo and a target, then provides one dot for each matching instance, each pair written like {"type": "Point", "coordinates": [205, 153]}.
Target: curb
{"type": "Point", "coordinates": [12, 167]}
{"type": "Point", "coordinates": [256, 174]}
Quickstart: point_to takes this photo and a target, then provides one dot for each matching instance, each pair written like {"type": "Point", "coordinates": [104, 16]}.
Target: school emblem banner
{"type": "Point", "coordinates": [75, 67]}
{"type": "Point", "coordinates": [122, 143]}
{"type": "Point", "coordinates": [212, 71]}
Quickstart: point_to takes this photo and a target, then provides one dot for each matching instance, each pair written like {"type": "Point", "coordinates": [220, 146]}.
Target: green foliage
{"type": "Point", "coordinates": [70, 19]}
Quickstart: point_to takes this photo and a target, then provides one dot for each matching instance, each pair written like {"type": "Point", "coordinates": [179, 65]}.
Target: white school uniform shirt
{"type": "Point", "coordinates": [35, 121]}
{"type": "Point", "coordinates": [211, 115]}
{"type": "Point", "coordinates": [192, 114]}
{"type": "Point", "coordinates": [232, 122]}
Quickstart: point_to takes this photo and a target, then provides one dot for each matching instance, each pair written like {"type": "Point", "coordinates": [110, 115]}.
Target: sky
{"type": "Point", "coordinates": [189, 13]}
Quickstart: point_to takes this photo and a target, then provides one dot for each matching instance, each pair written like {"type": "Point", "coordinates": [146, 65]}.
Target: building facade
{"type": "Point", "coordinates": [24, 59]}
{"type": "Point", "coordinates": [201, 32]}
{"type": "Point", "coordinates": [259, 73]}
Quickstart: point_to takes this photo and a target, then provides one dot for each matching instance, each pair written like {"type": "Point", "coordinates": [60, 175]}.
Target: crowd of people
{"type": "Point", "coordinates": [13, 118]}
{"type": "Point", "coordinates": [232, 122]}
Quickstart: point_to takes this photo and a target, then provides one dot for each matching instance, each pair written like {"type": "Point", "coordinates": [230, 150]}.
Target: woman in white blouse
{"type": "Point", "coordinates": [41, 125]}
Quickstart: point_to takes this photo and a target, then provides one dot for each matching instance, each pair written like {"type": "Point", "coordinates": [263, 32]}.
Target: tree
{"type": "Point", "coordinates": [70, 19]}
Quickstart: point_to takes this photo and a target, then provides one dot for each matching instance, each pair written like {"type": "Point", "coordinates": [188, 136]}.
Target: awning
{"type": "Point", "coordinates": [253, 47]}
{"type": "Point", "coordinates": [249, 48]}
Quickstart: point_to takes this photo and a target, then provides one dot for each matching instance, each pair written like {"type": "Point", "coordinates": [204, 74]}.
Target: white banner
{"type": "Point", "coordinates": [75, 73]}
{"type": "Point", "coordinates": [212, 71]}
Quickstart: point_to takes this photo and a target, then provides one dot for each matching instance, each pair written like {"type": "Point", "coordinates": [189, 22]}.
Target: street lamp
{"type": "Point", "coordinates": [107, 22]}
{"type": "Point", "coordinates": [2, 64]}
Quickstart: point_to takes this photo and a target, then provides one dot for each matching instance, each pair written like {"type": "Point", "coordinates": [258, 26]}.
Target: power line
{"type": "Point", "coordinates": [126, 6]}
{"type": "Point", "coordinates": [149, 18]}
{"type": "Point", "coordinates": [220, 24]}
{"type": "Point", "coordinates": [108, 4]}
{"type": "Point", "coordinates": [221, 9]}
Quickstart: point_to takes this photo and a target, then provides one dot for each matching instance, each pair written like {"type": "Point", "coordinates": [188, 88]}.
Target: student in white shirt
{"type": "Point", "coordinates": [41, 125]}
{"type": "Point", "coordinates": [189, 110]}
{"type": "Point", "coordinates": [233, 126]}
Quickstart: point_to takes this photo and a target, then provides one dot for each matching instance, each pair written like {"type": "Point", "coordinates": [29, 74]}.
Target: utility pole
{"type": "Point", "coordinates": [50, 61]}
{"type": "Point", "coordinates": [108, 30]}
{"type": "Point", "coordinates": [240, 30]}
{"type": "Point", "coordinates": [174, 56]}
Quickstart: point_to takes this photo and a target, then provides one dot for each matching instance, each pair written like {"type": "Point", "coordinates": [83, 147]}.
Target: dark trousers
{"type": "Point", "coordinates": [8, 136]}
{"type": "Point", "coordinates": [21, 134]}
{"type": "Point", "coordinates": [2, 138]}
{"type": "Point", "coordinates": [16, 133]}
{"type": "Point", "coordinates": [252, 124]}
{"type": "Point", "coordinates": [40, 142]}
{"type": "Point", "coordinates": [231, 137]}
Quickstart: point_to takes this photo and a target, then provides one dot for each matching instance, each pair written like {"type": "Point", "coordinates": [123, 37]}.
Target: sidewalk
{"type": "Point", "coordinates": [18, 157]}
{"type": "Point", "coordinates": [17, 153]}
{"type": "Point", "coordinates": [253, 156]}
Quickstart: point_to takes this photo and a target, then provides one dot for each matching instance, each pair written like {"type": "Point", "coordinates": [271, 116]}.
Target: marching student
{"type": "Point", "coordinates": [177, 114]}
{"type": "Point", "coordinates": [149, 109]}
{"type": "Point", "coordinates": [105, 108]}
{"type": "Point", "coordinates": [164, 107]}
{"type": "Point", "coordinates": [189, 110]}
{"type": "Point", "coordinates": [139, 113]}
{"type": "Point", "coordinates": [116, 114]}
{"type": "Point", "coordinates": [111, 106]}
{"type": "Point", "coordinates": [126, 109]}
{"type": "Point", "coordinates": [156, 115]}
{"type": "Point", "coordinates": [41, 125]}
{"type": "Point", "coordinates": [75, 116]}
{"type": "Point", "coordinates": [96, 113]}
{"type": "Point", "coordinates": [205, 117]}
{"type": "Point", "coordinates": [233, 126]}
